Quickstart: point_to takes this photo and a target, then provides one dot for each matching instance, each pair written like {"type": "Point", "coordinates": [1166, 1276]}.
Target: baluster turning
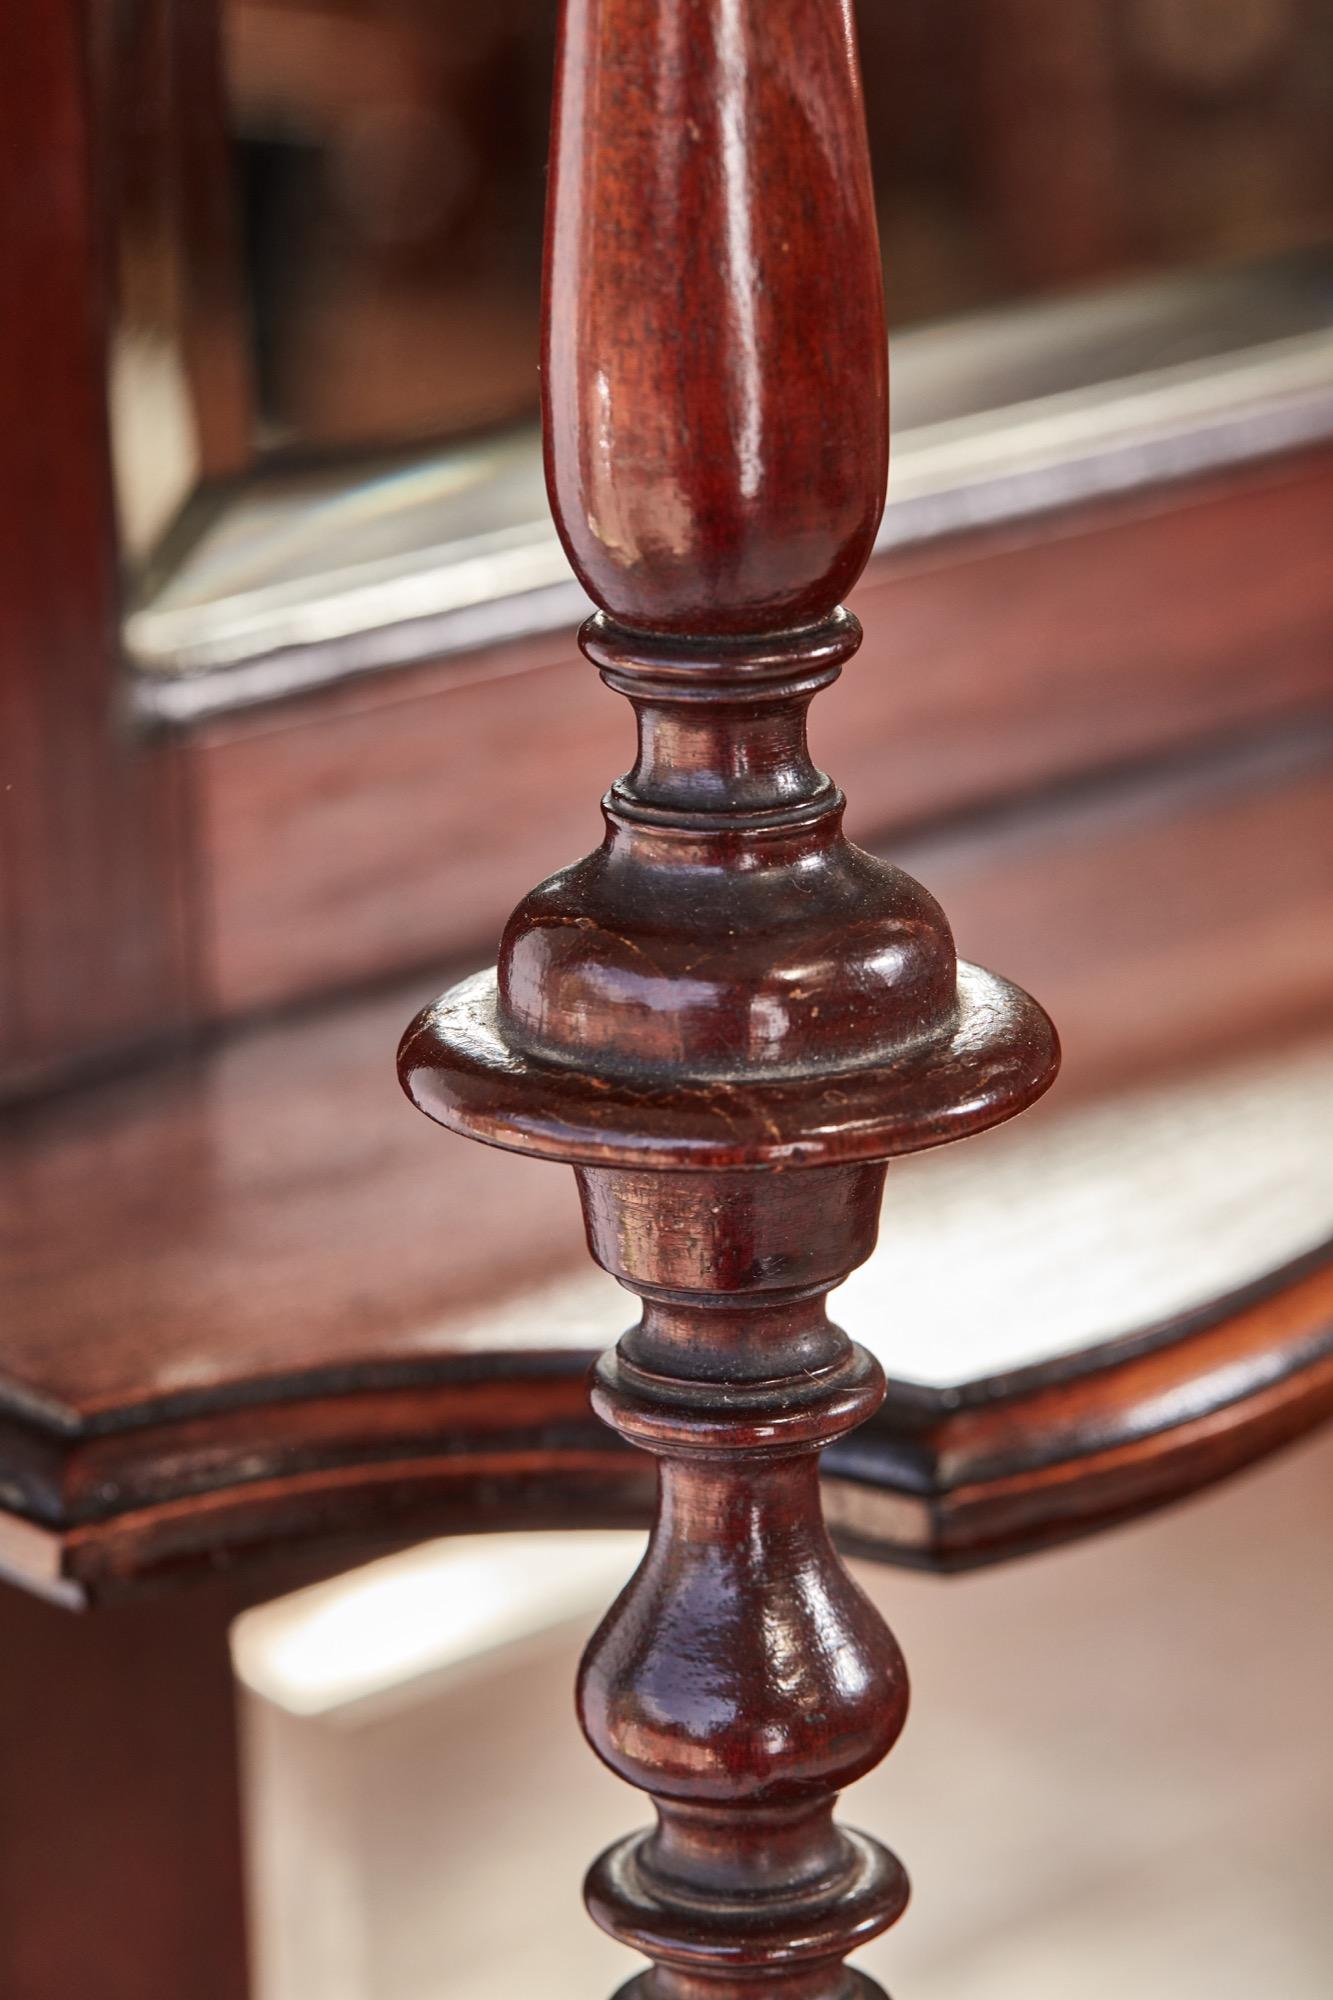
{"type": "Point", "coordinates": [727, 1018]}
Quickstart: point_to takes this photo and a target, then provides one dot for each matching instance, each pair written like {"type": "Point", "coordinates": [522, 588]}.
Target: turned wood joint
{"type": "Point", "coordinates": [726, 928]}
{"type": "Point", "coordinates": [727, 1018]}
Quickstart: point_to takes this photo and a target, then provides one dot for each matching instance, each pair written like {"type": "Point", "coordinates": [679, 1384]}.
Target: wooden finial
{"type": "Point", "coordinates": [727, 988]}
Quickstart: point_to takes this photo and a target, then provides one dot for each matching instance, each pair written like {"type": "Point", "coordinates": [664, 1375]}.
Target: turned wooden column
{"type": "Point", "coordinates": [727, 1018]}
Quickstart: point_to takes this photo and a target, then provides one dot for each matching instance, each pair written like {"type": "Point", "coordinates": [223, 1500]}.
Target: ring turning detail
{"type": "Point", "coordinates": [727, 1018]}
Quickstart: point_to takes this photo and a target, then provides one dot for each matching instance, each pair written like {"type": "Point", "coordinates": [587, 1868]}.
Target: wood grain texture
{"type": "Point", "coordinates": [994, 667]}
{"type": "Point", "coordinates": [714, 386]}
{"type": "Point", "coordinates": [726, 987]}
{"type": "Point", "coordinates": [458, 1067]}
{"type": "Point", "coordinates": [90, 820]}
{"type": "Point", "coordinates": [742, 1678]}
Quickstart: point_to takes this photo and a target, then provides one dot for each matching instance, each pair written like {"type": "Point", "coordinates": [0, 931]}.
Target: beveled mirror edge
{"type": "Point", "coordinates": [1256, 381]}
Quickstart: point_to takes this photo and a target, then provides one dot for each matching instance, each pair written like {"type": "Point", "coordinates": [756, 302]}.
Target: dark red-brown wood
{"type": "Point", "coordinates": [714, 381]}
{"type": "Point", "coordinates": [120, 1808]}
{"type": "Point", "coordinates": [92, 861]}
{"type": "Point", "coordinates": [726, 988]}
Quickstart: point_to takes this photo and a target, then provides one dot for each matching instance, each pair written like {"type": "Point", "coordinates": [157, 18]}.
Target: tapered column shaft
{"type": "Point", "coordinates": [726, 1017]}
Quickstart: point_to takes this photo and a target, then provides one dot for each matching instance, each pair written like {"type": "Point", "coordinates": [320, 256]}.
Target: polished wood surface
{"type": "Point", "coordinates": [228, 1241]}
{"type": "Point", "coordinates": [714, 382]}
{"type": "Point", "coordinates": [726, 988]}
{"type": "Point", "coordinates": [741, 1678]}
{"type": "Point", "coordinates": [345, 1345]}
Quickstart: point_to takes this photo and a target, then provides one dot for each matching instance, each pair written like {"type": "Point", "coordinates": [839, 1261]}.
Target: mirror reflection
{"type": "Point", "coordinates": [333, 207]}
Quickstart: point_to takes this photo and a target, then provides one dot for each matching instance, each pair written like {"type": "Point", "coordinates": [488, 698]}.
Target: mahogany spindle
{"type": "Point", "coordinates": [727, 1018]}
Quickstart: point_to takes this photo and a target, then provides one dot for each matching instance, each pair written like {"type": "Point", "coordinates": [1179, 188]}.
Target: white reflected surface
{"type": "Point", "coordinates": [1065, 1229]}
{"type": "Point", "coordinates": [334, 1645]}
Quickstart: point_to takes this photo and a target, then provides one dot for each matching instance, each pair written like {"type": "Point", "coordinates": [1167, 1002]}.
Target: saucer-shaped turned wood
{"type": "Point", "coordinates": [820, 957]}
{"type": "Point", "coordinates": [726, 929]}
{"type": "Point", "coordinates": [997, 1055]}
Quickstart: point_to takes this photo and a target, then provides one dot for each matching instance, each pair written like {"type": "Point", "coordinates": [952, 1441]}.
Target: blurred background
{"type": "Point", "coordinates": [293, 714]}
{"type": "Point", "coordinates": [1115, 1776]}
{"type": "Point", "coordinates": [386, 161]}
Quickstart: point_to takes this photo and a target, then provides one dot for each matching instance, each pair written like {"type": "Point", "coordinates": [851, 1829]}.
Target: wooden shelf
{"type": "Point", "coordinates": [253, 1305]}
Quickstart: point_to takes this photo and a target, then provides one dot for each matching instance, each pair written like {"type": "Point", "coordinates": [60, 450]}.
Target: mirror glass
{"type": "Point", "coordinates": [329, 220]}
{"type": "Point", "coordinates": [388, 158]}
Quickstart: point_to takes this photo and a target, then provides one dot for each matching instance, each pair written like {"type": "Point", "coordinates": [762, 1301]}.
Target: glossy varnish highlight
{"type": "Point", "coordinates": [727, 1017]}
{"type": "Point", "coordinates": [742, 1678]}
{"type": "Point", "coordinates": [714, 376]}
